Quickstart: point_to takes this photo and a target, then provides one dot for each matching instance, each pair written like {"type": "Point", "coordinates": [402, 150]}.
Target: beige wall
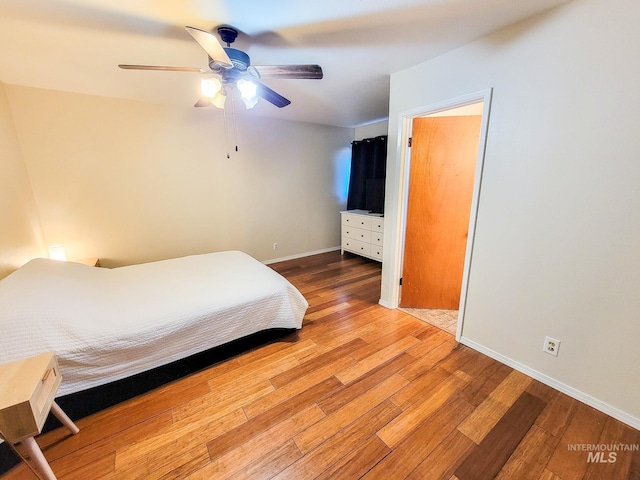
{"type": "Point", "coordinates": [20, 235]}
{"type": "Point", "coordinates": [558, 231]}
{"type": "Point", "coordinates": [131, 182]}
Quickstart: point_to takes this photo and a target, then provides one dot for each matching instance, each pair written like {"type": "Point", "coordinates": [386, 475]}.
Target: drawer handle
{"type": "Point", "coordinates": [46, 375]}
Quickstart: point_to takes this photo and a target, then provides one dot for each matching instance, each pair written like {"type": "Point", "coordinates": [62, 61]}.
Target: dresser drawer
{"type": "Point", "coordinates": [356, 246]}
{"type": "Point", "coordinates": [356, 233]}
{"type": "Point", "coordinates": [377, 224]}
{"type": "Point", "coordinates": [358, 221]}
{"type": "Point", "coordinates": [377, 238]}
{"type": "Point", "coordinates": [376, 252]}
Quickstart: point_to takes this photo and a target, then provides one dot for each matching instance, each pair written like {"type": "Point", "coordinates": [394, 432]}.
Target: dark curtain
{"type": "Point", "coordinates": [368, 172]}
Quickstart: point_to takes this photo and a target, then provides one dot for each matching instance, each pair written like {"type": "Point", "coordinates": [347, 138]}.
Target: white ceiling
{"type": "Point", "coordinates": [75, 45]}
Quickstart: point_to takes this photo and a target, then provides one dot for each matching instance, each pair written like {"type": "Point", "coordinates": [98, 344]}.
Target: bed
{"type": "Point", "coordinates": [109, 324]}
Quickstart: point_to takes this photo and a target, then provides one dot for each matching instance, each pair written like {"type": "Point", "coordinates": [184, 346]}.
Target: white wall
{"type": "Point", "coordinates": [131, 182]}
{"type": "Point", "coordinates": [371, 130]}
{"type": "Point", "coordinates": [20, 234]}
{"type": "Point", "coordinates": [557, 245]}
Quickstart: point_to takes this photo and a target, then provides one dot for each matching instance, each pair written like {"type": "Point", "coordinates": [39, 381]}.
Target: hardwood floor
{"type": "Point", "coordinates": [360, 392]}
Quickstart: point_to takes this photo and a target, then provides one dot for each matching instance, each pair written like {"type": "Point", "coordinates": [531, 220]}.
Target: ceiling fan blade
{"type": "Point", "coordinates": [203, 102]}
{"type": "Point", "coordinates": [211, 45]}
{"type": "Point", "coordinates": [289, 71]}
{"type": "Point", "coordinates": [271, 96]}
{"type": "Point", "coordinates": [163, 68]}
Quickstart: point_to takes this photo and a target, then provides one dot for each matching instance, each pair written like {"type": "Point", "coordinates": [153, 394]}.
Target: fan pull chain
{"type": "Point", "coordinates": [233, 119]}
{"type": "Point", "coordinates": [235, 130]}
{"type": "Point", "coordinates": [226, 131]}
{"type": "Point", "coordinates": [226, 126]}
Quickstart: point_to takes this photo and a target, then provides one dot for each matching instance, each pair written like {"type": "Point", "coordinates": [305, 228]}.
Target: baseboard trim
{"type": "Point", "coordinates": [300, 255]}
{"type": "Point", "coordinates": [385, 304]}
{"type": "Point", "coordinates": [552, 382]}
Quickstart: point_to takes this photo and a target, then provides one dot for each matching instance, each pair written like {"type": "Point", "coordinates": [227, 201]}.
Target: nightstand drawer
{"type": "Point", "coordinates": [45, 392]}
{"type": "Point", "coordinates": [28, 389]}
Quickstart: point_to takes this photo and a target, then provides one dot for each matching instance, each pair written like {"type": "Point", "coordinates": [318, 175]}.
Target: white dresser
{"type": "Point", "coordinates": [362, 233]}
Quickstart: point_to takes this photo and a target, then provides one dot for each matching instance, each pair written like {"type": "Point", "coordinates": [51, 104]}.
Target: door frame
{"type": "Point", "coordinates": [405, 124]}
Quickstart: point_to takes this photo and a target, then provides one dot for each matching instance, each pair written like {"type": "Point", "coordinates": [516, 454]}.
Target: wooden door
{"type": "Point", "coordinates": [441, 176]}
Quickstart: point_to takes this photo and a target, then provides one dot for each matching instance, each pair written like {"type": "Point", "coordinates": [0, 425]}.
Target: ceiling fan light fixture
{"type": "Point", "coordinates": [249, 102]}
{"type": "Point", "coordinates": [248, 92]}
{"type": "Point", "coordinates": [218, 100]}
{"type": "Point", "coordinates": [212, 89]}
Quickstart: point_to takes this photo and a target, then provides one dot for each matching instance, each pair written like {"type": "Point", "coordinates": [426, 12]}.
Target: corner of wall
{"type": "Point", "coordinates": [22, 237]}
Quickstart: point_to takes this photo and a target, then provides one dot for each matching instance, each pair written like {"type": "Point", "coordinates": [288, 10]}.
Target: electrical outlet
{"type": "Point", "coordinates": [275, 246]}
{"type": "Point", "coordinates": [551, 346]}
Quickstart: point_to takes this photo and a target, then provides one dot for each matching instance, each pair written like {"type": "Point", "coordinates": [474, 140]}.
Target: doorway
{"type": "Point", "coordinates": [451, 312]}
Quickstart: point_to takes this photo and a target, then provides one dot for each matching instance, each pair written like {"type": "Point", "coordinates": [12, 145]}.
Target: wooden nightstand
{"type": "Point", "coordinates": [91, 261]}
{"type": "Point", "coordinates": [27, 391]}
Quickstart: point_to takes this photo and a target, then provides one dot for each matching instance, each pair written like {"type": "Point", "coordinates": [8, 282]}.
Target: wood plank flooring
{"type": "Point", "coordinates": [360, 392]}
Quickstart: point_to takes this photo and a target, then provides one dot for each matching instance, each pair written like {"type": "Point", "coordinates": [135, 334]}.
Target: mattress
{"type": "Point", "coordinates": [108, 324]}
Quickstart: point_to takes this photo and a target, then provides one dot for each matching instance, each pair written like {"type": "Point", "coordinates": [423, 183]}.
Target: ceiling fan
{"type": "Point", "coordinates": [231, 68]}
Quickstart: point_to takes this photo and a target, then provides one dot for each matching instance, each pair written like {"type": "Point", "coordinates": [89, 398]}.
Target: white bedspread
{"type": "Point", "coordinates": [108, 324]}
